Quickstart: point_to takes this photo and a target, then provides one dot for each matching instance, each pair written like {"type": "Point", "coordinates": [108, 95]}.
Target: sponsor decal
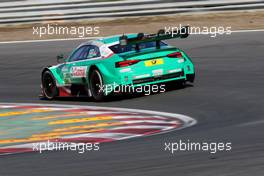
{"type": "Point", "coordinates": [158, 72]}
{"type": "Point", "coordinates": [141, 76]}
{"type": "Point", "coordinates": [79, 72]}
{"type": "Point", "coordinates": [125, 70]}
{"type": "Point", "coordinates": [67, 78]}
{"type": "Point", "coordinates": [175, 70]}
{"type": "Point", "coordinates": [154, 62]}
{"type": "Point", "coordinates": [180, 61]}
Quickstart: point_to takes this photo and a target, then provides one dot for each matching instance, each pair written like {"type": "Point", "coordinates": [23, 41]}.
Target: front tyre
{"type": "Point", "coordinates": [50, 90]}
{"type": "Point", "coordinates": [96, 85]}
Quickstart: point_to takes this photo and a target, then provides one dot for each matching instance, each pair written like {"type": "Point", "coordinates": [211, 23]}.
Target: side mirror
{"type": "Point", "coordinates": [60, 58]}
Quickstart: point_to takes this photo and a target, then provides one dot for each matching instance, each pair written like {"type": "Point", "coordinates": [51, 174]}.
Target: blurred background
{"type": "Point", "coordinates": [122, 16]}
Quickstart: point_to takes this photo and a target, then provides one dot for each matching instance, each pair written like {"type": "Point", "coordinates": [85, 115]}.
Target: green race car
{"type": "Point", "coordinates": [96, 68]}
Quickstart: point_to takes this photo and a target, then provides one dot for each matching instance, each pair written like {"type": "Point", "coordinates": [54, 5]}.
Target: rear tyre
{"type": "Point", "coordinates": [190, 77]}
{"type": "Point", "coordinates": [181, 84]}
{"type": "Point", "coordinates": [50, 90]}
{"type": "Point", "coordinates": [96, 85]}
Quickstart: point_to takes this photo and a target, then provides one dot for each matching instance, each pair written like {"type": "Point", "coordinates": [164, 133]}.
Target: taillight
{"type": "Point", "coordinates": [126, 63]}
{"type": "Point", "coordinates": [175, 55]}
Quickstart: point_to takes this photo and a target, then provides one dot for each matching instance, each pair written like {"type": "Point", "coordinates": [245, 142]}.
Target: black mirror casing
{"type": "Point", "coordinates": [60, 58]}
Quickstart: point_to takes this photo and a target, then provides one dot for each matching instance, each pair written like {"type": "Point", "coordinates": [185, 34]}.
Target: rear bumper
{"type": "Point", "coordinates": [163, 78]}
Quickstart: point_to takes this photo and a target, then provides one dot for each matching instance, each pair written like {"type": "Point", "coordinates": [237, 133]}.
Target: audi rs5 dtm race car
{"type": "Point", "coordinates": [133, 59]}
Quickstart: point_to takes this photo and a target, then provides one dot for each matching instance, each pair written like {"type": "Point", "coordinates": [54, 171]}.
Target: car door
{"type": "Point", "coordinates": [65, 68]}
{"type": "Point", "coordinates": [79, 63]}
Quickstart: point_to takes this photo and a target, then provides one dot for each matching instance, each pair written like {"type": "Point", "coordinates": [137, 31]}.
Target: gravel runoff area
{"type": "Point", "coordinates": [250, 19]}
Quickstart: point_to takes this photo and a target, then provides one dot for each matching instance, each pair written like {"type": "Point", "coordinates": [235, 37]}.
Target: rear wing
{"type": "Point", "coordinates": [161, 35]}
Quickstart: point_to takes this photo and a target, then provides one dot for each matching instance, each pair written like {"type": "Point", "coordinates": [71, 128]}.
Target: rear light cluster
{"type": "Point", "coordinates": [132, 62]}
{"type": "Point", "coordinates": [175, 55]}
{"type": "Point", "coordinates": [126, 63]}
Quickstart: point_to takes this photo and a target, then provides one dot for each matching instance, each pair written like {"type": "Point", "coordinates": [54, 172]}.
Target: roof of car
{"type": "Point", "coordinates": [114, 38]}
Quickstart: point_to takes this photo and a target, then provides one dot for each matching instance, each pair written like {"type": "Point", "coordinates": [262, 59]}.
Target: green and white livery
{"type": "Point", "coordinates": [133, 59]}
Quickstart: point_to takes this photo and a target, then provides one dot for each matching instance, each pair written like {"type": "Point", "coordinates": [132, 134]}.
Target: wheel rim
{"type": "Point", "coordinates": [49, 86]}
{"type": "Point", "coordinates": [96, 83]}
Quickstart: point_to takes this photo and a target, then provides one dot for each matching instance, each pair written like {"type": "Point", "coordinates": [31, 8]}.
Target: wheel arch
{"type": "Point", "coordinates": [93, 67]}
{"type": "Point", "coordinates": [44, 70]}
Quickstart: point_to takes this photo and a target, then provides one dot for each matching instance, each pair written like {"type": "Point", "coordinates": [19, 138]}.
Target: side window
{"type": "Point", "coordinates": [92, 52]}
{"type": "Point", "coordinates": [85, 52]}
{"type": "Point", "coordinates": [78, 55]}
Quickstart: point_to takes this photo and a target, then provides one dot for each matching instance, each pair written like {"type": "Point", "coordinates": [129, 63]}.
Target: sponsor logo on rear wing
{"type": "Point", "coordinates": [161, 35]}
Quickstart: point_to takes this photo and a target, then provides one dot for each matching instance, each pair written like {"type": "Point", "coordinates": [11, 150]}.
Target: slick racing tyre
{"type": "Point", "coordinates": [96, 84]}
{"type": "Point", "coordinates": [50, 90]}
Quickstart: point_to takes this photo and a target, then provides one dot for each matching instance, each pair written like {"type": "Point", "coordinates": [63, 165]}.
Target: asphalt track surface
{"type": "Point", "coordinates": [227, 101]}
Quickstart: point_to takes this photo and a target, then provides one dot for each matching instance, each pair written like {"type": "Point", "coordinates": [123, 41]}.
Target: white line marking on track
{"type": "Point", "coordinates": [139, 127]}
{"type": "Point", "coordinates": [248, 30]}
{"type": "Point", "coordinates": [259, 122]}
{"type": "Point", "coordinates": [149, 121]}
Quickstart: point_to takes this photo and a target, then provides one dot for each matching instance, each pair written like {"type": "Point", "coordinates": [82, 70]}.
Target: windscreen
{"type": "Point", "coordinates": [117, 49]}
